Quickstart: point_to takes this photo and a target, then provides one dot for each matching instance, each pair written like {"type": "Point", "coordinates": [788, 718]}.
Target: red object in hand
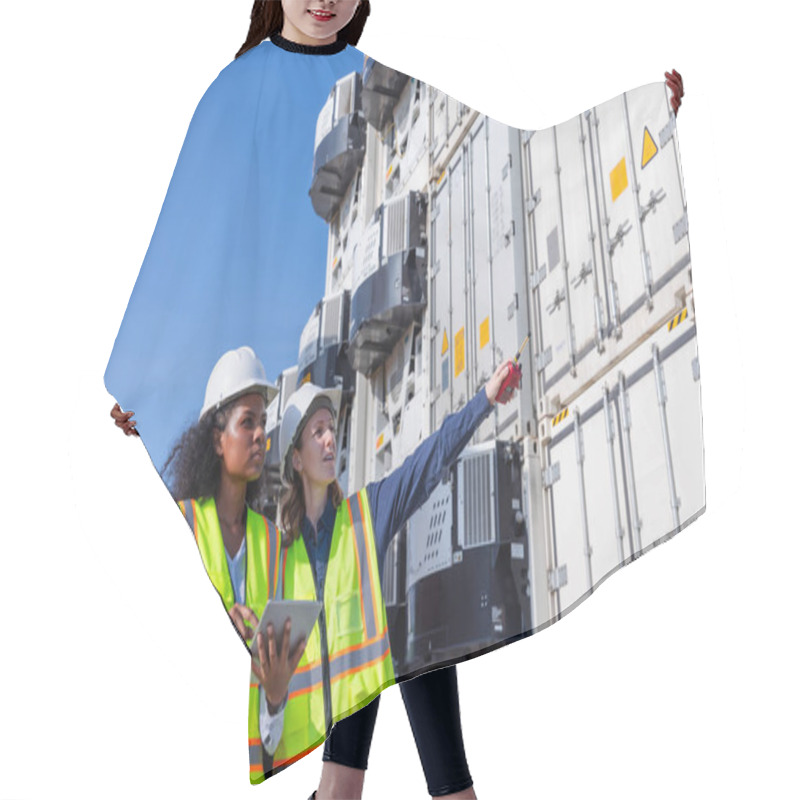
{"type": "Point", "coordinates": [511, 382]}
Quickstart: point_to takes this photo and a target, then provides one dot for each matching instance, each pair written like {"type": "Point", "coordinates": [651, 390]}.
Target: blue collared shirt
{"type": "Point", "coordinates": [392, 501]}
{"type": "Point", "coordinates": [396, 497]}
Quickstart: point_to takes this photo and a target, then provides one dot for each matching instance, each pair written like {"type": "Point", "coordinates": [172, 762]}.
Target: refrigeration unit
{"type": "Point", "coordinates": [339, 145]}
{"type": "Point", "coordinates": [388, 291]}
{"type": "Point", "coordinates": [381, 89]}
{"type": "Point", "coordinates": [467, 559]}
{"type": "Point", "coordinates": [323, 358]}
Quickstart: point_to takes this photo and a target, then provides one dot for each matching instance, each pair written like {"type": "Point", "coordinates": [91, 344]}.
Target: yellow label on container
{"type": "Point", "coordinates": [380, 442]}
{"type": "Point", "coordinates": [445, 343]}
{"type": "Point", "coordinates": [460, 360]}
{"type": "Point", "coordinates": [649, 148]}
{"type": "Point", "coordinates": [484, 337]}
{"type": "Point", "coordinates": [619, 179]}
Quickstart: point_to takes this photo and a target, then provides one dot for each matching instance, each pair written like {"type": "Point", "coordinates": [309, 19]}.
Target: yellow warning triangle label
{"type": "Point", "coordinates": [649, 148]}
{"type": "Point", "coordinates": [445, 345]}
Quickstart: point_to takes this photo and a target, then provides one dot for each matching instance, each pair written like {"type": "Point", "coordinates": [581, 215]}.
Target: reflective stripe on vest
{"type": "Point", "coordinates": [357, 633]}
{"type": "Point", "coordinates": [261, 573]}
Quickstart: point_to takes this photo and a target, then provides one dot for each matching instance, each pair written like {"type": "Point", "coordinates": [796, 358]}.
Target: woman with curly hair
{"type": "Point", "coordinates": [216, 473]}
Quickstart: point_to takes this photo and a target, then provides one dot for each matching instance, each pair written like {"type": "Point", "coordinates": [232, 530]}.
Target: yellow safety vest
{"type": "Point", "coordinates": [359, 663]}
{"type": "Point", "coordinates": [263, 556]}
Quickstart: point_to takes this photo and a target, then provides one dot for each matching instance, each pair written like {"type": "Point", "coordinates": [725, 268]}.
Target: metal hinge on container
{"type": "Point", "coordinates": [538, 276]}
{"type": "Point", "coordinates": [556, 578]}
{"type": "Point", "coordinates": [512, 307]}
{"type": "Point", "coordinates": [680, 228]}
{"type": "Point", "coordinates": [534, 201]}
{"type": "Point", "coordinates": [543, 359]}
{"type": "Point", "coordinates": [665, 134]}
{"type": "Point", "coordinates": [696, 368]}
{"type": "Point", "coordinates": [551, 474]}
{"type": "Point", "coordinates": [509, 233]}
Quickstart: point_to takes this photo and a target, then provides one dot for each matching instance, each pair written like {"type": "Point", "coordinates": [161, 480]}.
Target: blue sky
{"type": "Point", "coordinates": [238, 256]}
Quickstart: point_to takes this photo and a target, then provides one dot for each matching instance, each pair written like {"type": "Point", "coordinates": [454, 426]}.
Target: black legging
{"type": "Point", "coordinates": [433, 711]}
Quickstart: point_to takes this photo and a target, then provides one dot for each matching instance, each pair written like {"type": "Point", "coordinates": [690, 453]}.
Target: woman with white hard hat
{"type": "Point", "coordinates": [216, 473]}
{"type": "Point", "coordinates": [333, 549]}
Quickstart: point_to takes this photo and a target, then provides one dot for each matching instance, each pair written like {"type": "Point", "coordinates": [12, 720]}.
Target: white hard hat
{"type": "Point", "coordinates": [305, 402]}
{"type": "Point", "coordinates": [237, 373]}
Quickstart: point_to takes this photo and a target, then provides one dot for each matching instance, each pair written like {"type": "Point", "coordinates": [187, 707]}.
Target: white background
{"type": "Point", "coordinates": [120, 673]}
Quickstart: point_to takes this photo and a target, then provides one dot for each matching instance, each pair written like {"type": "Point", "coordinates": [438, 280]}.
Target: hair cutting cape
{"type": "Point", "coordinates": [359, 229]}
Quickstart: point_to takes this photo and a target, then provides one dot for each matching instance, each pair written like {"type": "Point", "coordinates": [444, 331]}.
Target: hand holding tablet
{"type": "Point", "coordinates": [279, 644]}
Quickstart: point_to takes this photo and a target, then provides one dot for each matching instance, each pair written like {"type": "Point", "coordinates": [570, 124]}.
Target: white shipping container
{"type": "Point", "coordinates": [622, 465]}
{"type": "Point", "coordinates": [607, 223]}
{"type": "Point", "coordinates": [576, 235]}
{"type": "Point", "coordinates": [478, 278]}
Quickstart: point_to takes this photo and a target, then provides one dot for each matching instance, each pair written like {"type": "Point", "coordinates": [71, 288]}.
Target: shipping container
{"type": "Point", "coordinates": [453, 239]}
{"type": "Point", "coordinates": [609, 255]}
{"type": "Point", "coordinates": [622, 464]}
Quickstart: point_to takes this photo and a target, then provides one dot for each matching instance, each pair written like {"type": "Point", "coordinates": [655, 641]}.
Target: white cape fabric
{"type": "Point", "coordinates": [360, 229]}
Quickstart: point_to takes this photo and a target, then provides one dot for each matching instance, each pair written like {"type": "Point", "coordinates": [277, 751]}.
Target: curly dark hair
{"type": "Point", "coordinates": [193, 468]}
{"type": "Point", "coordinates": [266, 19]}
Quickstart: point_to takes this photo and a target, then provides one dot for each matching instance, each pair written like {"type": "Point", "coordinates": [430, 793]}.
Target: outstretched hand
{"type": "Point", "coordinates": [501, 386]}
{"type": "Point", "coordinates": [675, 83]}
{"type": "Point", "coordinates": [273, 670]}
{"type": "Point", "coordinates": [124, 420]}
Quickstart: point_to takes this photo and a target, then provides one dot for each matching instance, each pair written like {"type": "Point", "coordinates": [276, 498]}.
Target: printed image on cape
{"type": "Point", "coordinates": [334, 224]}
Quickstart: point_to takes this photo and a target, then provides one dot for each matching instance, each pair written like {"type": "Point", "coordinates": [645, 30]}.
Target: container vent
{"type": "Point", "coordinates": [345, 96]}
{"type": "Point", "coordinates": [476, 499]}
{"type": "Point", "coordinates": [332, 312]}
{"type": "Point", "coordinates": [395, 226]}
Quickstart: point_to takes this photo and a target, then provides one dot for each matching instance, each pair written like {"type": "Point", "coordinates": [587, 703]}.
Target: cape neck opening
{"type": "Point", "coordinates": [309, 49]}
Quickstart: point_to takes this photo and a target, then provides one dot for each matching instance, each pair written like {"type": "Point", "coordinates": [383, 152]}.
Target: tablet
{"type": "Point", "coordinates": [303, 613]}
